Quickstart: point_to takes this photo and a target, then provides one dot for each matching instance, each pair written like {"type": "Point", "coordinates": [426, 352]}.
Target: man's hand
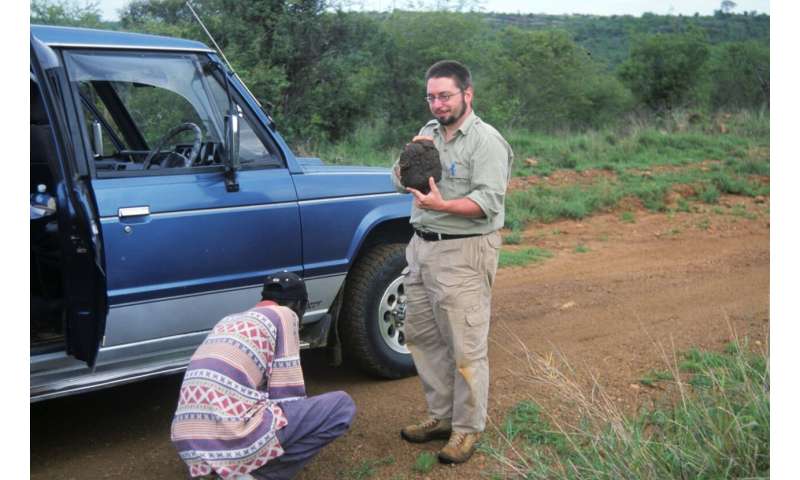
{"type": "Point", "coordinates": [431, 201]}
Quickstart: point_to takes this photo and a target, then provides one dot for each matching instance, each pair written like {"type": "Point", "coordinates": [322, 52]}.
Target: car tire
{"type": "Point", "coordinates": [373, 311]}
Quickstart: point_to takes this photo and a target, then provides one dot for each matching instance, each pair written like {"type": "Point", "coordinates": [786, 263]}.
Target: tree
{"type": "Point", "coordinates": [294, 54]}
{"type": "Point", "coordinates": [727, 6]}
{"type": "Point", "coordinates": [662, 69]}
{"type": "Point", "coordinates": [66, 13]}
{"type": "Point", "coordinates": [543, 80]}
{"type": "Point", "coordinates": [405, 46]}
{"type": "Point", "coordinates": [739, 75]}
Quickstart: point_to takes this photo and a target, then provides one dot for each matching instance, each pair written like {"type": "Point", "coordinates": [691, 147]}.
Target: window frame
{"type": "Point", "coordinates": [267, 140]}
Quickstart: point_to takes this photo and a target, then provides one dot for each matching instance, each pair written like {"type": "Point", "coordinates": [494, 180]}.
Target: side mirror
{"type": "Point", "coordinates": [231, 150]}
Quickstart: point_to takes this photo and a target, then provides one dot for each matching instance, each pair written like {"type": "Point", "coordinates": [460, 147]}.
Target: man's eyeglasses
{"type": "Point", "coordinates": [442, 97]}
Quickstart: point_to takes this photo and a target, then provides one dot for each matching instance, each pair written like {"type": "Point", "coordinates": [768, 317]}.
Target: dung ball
{"type": "Point", "coordinates": [419, 161]}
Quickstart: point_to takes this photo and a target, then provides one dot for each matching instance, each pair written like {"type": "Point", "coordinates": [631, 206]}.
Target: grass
{"type": "Point", "coordinates": [518, 258]}
{"type": "Point", "coordinates": [513, 238]}
{"type": "Point", "coordinates": [650, 379]}
{"type": "Point", "coordinates": [683, 205]}
{"type": "Point", "coordinates": [627, 217]}
{"type": "Point", "coordinates": [664, 142]}
{"type": "Point", "coordinates": [740, 210]}
{"type": "Point", "coordinates": [581, 248]}
{"type": "Point", "coordinates": [425, 462]}
{"type": "Point", "coordinates": [714, 425]}
{"type": "Point", "coordinates": [547, 204]}
{"type": "Point", "coordinates": [543, 203]}
{"type": "Point", "coordinates": [366, 469]}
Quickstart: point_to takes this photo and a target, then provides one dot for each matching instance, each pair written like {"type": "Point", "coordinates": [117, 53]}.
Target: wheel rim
{"type": "Point", "coordinates": [392, 315]}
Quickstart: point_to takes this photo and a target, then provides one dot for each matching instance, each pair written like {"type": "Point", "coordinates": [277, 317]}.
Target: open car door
{"type": "Point", "coordinates": [83, 277]}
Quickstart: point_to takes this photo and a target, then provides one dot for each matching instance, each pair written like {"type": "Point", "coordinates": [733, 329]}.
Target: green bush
{"type": "Point", "coordinates": [662, 69]}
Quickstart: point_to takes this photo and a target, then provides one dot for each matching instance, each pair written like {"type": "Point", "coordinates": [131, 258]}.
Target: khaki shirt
{"type": "Point", "coordinates": [476, 164]}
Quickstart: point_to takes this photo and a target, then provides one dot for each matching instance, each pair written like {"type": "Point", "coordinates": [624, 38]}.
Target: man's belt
{"type": "Point", "coordinates": [435, 237]}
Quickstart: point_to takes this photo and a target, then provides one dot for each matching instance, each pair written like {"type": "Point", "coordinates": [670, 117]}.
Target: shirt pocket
{"type": "Point", "coordinates": [458, 180]}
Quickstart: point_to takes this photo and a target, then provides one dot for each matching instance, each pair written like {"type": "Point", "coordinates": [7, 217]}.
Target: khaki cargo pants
{"type": "Point", "coordinates": [449, 292]}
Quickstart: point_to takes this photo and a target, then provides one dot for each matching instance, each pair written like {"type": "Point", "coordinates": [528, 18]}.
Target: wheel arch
{"type": "Point", "coordinates": [390, 230]}
{"type": "Point", "coordinates": [388, 223]}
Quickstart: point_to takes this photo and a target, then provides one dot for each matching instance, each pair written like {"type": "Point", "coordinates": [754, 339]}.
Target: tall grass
{"type": "Point", "coordinates": [716, 425]}
{"type": "Point", "coordinates": [643, 143]}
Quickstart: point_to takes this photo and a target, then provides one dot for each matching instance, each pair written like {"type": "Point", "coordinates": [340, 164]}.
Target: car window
{"type": "Point", "coordinates": [155, 111]}
{"type": "Point", "coordinates": [96, 116]}
{"type": "Point", "coordinates": [251, 149]}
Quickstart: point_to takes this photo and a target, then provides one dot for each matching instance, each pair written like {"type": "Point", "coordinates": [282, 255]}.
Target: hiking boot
{"type": "Point", "coordinates": [430, 429]}
{"type": "Point", "coordinates": [459, 448]}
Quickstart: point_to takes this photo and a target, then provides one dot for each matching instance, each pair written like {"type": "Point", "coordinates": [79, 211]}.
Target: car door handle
{"type": "Point", "coordinates": [127, 212]}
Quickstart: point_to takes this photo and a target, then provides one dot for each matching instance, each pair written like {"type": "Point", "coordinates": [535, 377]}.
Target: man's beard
{"type": "Point", "coordinates": [451, 119]}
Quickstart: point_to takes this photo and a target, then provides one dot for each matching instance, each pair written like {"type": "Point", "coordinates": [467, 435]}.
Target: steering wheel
{"type": "Point", "coordinates": [187, 161]}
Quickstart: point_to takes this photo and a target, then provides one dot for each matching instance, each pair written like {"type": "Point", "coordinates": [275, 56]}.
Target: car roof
{"type": "Point", "coordinates": [89, 37]}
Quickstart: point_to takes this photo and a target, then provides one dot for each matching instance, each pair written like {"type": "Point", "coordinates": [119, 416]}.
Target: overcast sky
{"type": "Point", "coordinates": [109, 8]}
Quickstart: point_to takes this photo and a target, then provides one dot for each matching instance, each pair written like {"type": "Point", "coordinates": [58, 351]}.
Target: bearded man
{"type": "Point", "coordinates": [452, 261]}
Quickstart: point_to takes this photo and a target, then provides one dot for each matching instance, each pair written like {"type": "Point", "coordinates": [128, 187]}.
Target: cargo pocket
{"type": "Point", "coordinates": [476, 332]}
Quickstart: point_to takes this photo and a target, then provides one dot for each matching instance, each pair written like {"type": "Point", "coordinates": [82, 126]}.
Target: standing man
{"type": "Point", "coordinates": [243, 412]}
{"type": "Point", "coordinates": [452, 261]}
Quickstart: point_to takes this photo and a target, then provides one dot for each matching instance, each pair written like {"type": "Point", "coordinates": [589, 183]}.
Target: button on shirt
{"type": "Point", "coordinates": [476, 164]}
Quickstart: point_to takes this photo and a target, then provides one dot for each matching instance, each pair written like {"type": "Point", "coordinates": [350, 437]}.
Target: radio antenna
{"type": "Point", "coordinates": [219, 50]}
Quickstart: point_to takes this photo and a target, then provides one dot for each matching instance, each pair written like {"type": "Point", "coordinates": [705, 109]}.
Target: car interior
{"type": "Point", "coordinates": [47, 313]}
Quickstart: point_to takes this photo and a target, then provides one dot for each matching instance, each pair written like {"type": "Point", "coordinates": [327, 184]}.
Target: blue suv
{"type": "Point", "coordinates": [162, 194]}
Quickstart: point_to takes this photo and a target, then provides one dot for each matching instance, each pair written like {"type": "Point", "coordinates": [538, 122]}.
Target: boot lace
{"type": "Point", "coordinates": [456, 439]}
{"type": "Point", "coordinates": [429, 423]}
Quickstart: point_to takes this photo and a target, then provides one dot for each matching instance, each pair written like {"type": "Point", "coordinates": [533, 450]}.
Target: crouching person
{"type": "Point", "coordinates": [243, 411]}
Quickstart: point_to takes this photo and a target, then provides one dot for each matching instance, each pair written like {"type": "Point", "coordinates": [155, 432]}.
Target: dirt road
{"type": "Point", "coordinates": [611, 295]}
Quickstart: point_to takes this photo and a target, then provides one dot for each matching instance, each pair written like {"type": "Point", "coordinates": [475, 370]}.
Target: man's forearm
{"type": "Point", "coordinates": [464, 207]}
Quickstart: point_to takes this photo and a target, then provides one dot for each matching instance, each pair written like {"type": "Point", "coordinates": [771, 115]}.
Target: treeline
{"type": "Point", "coordinates": [330, 74]}
{"type": "Point", "coordinates": [608, 38]}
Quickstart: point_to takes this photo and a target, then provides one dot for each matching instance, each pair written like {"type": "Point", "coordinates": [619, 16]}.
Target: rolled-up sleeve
{"type": "Point", "coordinates": [489, 176]}
{"type": "Point", "coordinates": [396, 181]}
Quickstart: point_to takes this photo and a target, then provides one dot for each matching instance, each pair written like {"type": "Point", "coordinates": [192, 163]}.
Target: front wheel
{"type": "Point", "coordinates": [373, 313]}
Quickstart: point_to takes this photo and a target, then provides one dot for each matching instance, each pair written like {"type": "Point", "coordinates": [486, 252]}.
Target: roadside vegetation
{"type": "Point", "coordinates": [518, 258]}
{"type": "Point", "coordinates": [712, 422]}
